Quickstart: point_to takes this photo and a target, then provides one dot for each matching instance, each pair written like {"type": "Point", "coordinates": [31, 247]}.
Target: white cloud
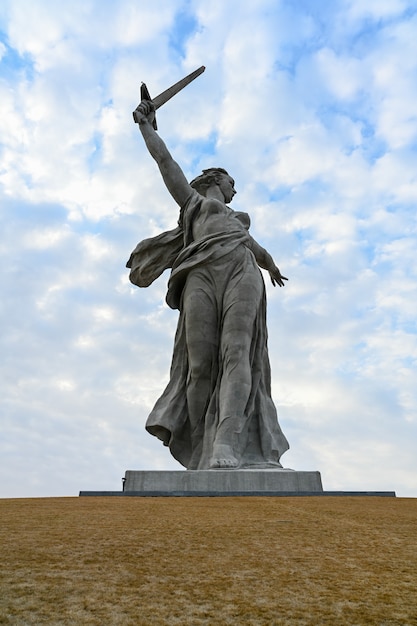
{"type": "Point", "coordinates": [343, 75]}
{"type": "Point", "coordinates": [375, 9]}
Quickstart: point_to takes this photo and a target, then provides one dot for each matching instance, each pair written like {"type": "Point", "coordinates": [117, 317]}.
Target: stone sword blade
{"type": "Point", "coordinates": [169, 93]}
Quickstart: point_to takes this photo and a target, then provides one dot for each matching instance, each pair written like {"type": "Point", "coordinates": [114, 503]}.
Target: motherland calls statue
{"type": "Point", "coordinates": [217, 411]}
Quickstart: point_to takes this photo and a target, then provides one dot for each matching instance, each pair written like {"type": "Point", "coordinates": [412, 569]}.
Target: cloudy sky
{"type": "Point", "coordinates": [311, 106]}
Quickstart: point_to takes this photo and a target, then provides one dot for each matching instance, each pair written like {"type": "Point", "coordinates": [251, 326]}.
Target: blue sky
{"type": "Point", "coordinates": [310, 105]}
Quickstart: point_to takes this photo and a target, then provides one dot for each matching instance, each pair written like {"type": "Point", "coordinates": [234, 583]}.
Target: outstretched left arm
{"type": "Point", "coordinates": [265, 260]}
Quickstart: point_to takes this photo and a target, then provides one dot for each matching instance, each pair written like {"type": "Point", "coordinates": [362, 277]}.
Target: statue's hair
{"type": "Point", "coordinates": [208, 177]}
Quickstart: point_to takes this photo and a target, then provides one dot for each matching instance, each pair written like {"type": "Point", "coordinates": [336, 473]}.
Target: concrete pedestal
{"type": "Point", "coordinates": [222, 482]}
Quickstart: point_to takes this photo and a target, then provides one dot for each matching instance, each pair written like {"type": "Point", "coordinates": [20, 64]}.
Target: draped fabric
{"type": "Point", "coordinates": [221, 264]}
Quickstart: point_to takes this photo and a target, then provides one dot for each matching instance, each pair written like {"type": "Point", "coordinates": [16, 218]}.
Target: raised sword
{"type": "Point", "coordinates": [166, 95]}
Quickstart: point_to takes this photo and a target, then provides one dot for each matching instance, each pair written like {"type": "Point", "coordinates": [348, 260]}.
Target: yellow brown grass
{"type": "Point", "coordinates": [178, 561]}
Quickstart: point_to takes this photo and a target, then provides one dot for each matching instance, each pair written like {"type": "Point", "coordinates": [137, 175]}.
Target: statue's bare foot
{"type": "Point", "coordinates": [223, 457]}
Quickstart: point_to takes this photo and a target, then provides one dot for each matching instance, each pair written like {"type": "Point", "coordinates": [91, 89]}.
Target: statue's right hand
{"type": "Point", "coordinates": [145, 111]}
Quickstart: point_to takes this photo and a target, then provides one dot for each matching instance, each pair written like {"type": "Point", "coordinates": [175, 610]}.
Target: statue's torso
{"type": "Point", "coordinates": [213, 217]}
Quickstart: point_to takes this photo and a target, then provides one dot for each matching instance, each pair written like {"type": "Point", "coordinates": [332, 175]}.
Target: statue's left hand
{"type": "Point", "coordinates": [276, 277]}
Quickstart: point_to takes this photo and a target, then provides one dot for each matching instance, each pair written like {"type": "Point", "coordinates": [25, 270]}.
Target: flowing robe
{"type": "Point", "coordinates": [223, 264]}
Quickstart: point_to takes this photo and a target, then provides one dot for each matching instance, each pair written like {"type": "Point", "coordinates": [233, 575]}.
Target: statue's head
{"type": "Point", "coordinates": [211, 176]}
{"type": "Point", "coordinates": [215, 176]}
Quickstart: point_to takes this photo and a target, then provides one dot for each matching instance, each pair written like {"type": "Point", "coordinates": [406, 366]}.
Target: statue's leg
{"type": "Point", "coordinates": [242, 305]}
{"type": "Point", "coordinates": [201, 328]}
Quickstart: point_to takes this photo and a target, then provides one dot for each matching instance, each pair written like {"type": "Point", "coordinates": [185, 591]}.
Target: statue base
{"type": "Point", "coordinates": [222, 482]}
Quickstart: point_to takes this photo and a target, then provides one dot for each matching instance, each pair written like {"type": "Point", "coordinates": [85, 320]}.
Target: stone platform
{"type": "Point", "coordinates": [215, 483]}
{"type": "Point", "coordinates": [222, 482]}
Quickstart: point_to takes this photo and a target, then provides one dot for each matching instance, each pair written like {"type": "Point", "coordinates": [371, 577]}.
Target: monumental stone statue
{"type": "Point", "coordinates": [216, 411]}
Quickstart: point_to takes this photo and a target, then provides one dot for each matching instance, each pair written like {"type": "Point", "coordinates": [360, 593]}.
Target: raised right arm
{"type": "Point", "coordinates": [171, 172]}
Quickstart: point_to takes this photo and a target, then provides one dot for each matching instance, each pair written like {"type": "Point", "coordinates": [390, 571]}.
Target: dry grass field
{"type": "Point", "coordinates": [193, 561]}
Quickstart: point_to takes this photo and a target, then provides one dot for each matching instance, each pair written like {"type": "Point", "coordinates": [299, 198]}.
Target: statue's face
{"type": "Point", "coordinates": [227, 187]}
